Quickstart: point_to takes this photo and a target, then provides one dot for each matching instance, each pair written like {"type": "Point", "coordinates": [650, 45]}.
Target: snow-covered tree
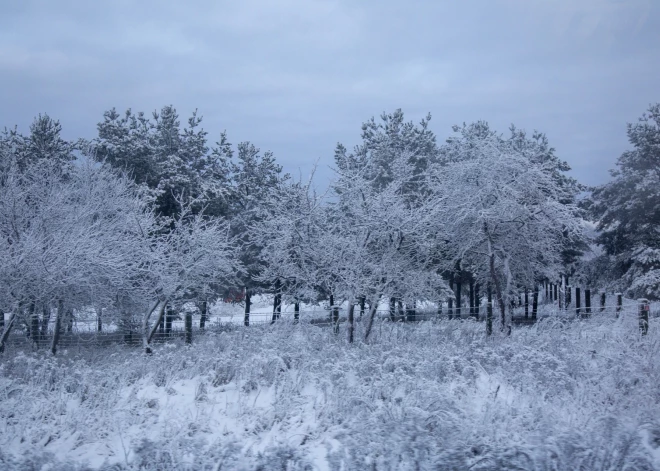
{"type": "Point", "coordinates": [76, 240]}
{"type": "Point", "coordinates": [627, 210]}
{"type": "Point", "coordinates": [503, 210]}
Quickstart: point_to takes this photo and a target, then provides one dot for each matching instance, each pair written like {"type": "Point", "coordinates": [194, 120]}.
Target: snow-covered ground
{"type": "Point", "coordinates": [434, 395]}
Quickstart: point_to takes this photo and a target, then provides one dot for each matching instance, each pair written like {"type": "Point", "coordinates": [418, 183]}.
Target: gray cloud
{"type": "Point", "coordinates": [296, 76]}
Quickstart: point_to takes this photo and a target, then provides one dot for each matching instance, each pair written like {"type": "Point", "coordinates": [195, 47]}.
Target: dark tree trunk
{"type": "Point", "coordinates": [350, 320]}
{"type": "Point", "coordinates": [535, 303]}
{"type": "Point", "coordinates": [578, 301]}
{"type": "Point", "coordinates": [567, 304]}
{"type": "Point", "coordinates": [619, 304]}
{"type": "Point", "coordinates": [362, 301]}
{"type": "Point", "coordinates": [296, 313]}
{"type": "Point", "coordinates": [203, 310]}
{"type": "Point", "coordinates": [2, 321]}
{"type": "Point", "coordinates": [545, 299]}
{"type": "Point", "coordinates": [248, 305]}
{"type": "Point", "coordinates": [526, 304]}
{"type": "Point", "coordinates": [471, 295]}
{"type": "Point", "coordinates": [587, 302]}
{"type": "Point", "coordinates": [602, 301]}
{"type": "Point", "coordinates": [556, 296]}
{"type": "Point", "coordinates": [458, 299]}
{"type": "Point", "coordinates": [393, 309]}
{"type": "Point", "coordinates": [188, 324]}
{"type": "Point", "coordinates": [99, 319]}
{"type": "Point", "coordinates": [489, 310]}
{"type": "Point", "coordinates": [450, 301]}
{"type": "Point", "coordinates": [58, 326]}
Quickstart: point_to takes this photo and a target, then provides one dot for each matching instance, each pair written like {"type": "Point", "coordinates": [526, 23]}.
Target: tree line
{"type": "Point", "coordinates": [150, 216]}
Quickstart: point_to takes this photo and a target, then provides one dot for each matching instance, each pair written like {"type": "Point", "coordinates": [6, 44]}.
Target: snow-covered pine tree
{"type": "Point", "coordinates": [627, 210]}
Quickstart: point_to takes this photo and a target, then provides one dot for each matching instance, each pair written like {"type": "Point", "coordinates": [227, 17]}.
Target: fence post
{"type": "Point", "coordinates": [643, 315]}
{"type": "Point", "coordinates": [568, 297]}
{"type": "Point", "coordinates": [577, 301]}
{"type": "Point", "coordinates": [602, 301]}
{"type": "Point", "coordinates": [619, 304]}
{"type": "Point", "coordinates": [489, 311]}
{"type": "Point", "coordinates": [188, 324]}
{"type": "Point", "coordinates": [587, 302]}
{"type": "Point", "coordinates": [296, 311]}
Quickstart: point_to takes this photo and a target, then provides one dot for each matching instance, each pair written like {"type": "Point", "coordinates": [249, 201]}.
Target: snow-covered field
{"type": "Point", "coordinates": [435, 395]}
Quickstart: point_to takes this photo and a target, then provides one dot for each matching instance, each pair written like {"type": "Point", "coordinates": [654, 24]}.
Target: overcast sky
{"type": "Point", "coordinates": [298, 76]}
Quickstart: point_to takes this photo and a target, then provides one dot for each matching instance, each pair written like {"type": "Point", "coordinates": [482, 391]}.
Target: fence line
{"type": "Point", "coordinates": [83, 333]}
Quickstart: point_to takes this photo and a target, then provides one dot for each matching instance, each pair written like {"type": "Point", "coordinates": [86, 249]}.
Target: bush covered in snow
{"type": "Point", "coordinates": [435, 395]}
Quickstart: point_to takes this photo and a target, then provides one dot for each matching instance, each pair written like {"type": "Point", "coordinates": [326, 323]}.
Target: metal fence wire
{"type": "Point", "coordinates": [86, 331]}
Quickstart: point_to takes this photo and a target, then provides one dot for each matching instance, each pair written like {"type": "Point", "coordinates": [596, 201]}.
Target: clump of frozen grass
{"type": "Point", "coordinates": [557, 395]}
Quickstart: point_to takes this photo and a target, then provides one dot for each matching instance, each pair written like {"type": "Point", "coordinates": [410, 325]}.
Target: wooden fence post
{"type": "Point", "coordinates": [526, 304]}
{"type": "Point", "coordinates": [577, 301]}
{"type": "Point", "coordinates": [643, 315]}
{"type": "Point", "coordinates": [587, 302]}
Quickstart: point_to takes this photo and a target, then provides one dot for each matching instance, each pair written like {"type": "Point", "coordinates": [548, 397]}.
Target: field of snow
{"type": "Point", "coordinates": [583, 395]}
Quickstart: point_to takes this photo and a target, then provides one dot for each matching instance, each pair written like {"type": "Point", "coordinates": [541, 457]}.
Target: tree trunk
{"type": "Point", "coordinates": [450, 301]}
{"type": "Point", "coordinates": [489, 310]}
{"type": "Point", "coordinates": [148, 334]}
{"type": "Point", "coordinates": [188, 323]}
{"type": "Point", "coordinates": [203, 308]}
{"type": "Point", "coordinates": [58, 326]}
{"type": "Point", "coordinates": [602, 301]}
{"type": "Point", "coordinates": [498, 291]}
{"type": "Point", "coordinates": [372, 314]}
{"type": "Point", "coordinates": [99, 319]}
{"type": "Point", "coordinates": [6, 330]}
{"type": "Point", "coordinates": [587, 302]}
{"type": "Point", "coordinates": [458, 299]}
{"type": "Point", "coordinates": [578, 301]}
{"type": "Point", "coordinates": [471, 295]}
{"type": "Point", "coordinates": [277, 302]}
{"type": "Point", "coordinates": [44, 322]}
{"type": "Point", "coordinates": [248, 305]}
{"type": "Point", "coordinates": [362, 301]}
{"type": "Point", "coordinates": [526, 305]}
{"type": "Point", "coordinates": [296, 312]}
{"type": "Point", "coordinates": [393, 309]}
{"type": "Point", "coordinates": [34, 324]}
{"type": "Point", "coordinates": [350, 320]}
{"type": "Point", "coordinates": [535, 302]}
{"type": "Point", "coordinates": [400, 314]}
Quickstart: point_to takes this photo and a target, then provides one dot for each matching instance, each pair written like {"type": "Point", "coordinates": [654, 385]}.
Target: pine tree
{"type": "Point", "coordinates": [627, 210]}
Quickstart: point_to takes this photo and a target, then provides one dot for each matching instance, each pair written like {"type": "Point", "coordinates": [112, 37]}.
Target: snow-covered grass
{"type": "Point", "coordinates": [434, 395]}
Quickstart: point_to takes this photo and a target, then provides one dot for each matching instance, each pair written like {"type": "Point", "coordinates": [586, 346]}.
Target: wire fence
{"type": "Point", "coordinates": [87, 332]}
